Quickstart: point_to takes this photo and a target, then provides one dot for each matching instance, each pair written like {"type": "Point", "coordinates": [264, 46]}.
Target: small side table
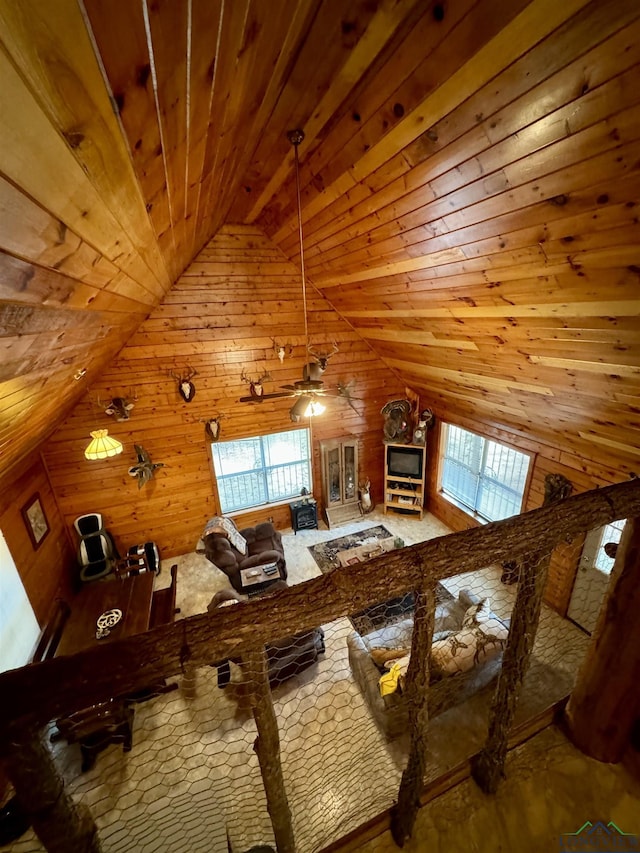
{"type": "Point", "coordinates": [304, 515]}
{"type": "Point", "coordinates": [256, 580]}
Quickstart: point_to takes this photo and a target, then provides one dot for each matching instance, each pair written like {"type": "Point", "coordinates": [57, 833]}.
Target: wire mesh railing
{"type": "Point", "coordinates": [341, 747]}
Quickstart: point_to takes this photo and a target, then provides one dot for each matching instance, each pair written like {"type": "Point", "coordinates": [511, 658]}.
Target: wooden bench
{"type": "Point", "coordinates": [51, 633]}
{"type": "Point", "coordinates": [163, 602]}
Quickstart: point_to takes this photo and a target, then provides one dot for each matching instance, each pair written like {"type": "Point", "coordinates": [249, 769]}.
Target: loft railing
{"type": "Point", "coordinates": [35, 695]}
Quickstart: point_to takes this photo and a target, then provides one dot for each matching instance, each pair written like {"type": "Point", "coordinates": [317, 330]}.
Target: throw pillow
{"type": "Point", "coordinates": [469, 647]}
{"type": "Point", "coordinates": [381, 656]}
{"type": "Point", "coordinates": [477, 613]}
{"type": "Point", "coordinates": [454, 654]}
{"type": "Point", "coordinates": [394, 679]}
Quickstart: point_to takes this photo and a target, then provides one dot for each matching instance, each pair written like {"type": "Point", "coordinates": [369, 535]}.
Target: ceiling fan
{"type": "Point", "coordinates": [309, 390]}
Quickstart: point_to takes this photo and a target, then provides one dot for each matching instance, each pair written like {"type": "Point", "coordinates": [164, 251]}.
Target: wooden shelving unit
{"type": "Point", "coordinates": [405, 493]}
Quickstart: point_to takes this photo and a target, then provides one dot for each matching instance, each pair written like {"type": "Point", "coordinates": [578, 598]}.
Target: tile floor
{"type": "Point", "coordinates": [192, 782]}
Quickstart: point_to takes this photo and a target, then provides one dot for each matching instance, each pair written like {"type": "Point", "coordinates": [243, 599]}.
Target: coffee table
{"type": "Point", "coordinates": [366, 551]}
{"type": "Point", "coordinates": [257, 578]}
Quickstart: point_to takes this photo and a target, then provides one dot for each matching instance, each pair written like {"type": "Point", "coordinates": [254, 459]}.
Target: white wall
{"type": "Point", "coordinates": [19, 627]}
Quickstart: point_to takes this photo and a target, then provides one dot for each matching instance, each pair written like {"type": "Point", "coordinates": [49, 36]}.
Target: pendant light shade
{"type": "Point", "coordinates": [102, 445]}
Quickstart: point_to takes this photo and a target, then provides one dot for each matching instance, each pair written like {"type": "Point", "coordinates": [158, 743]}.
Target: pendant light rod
{"type": "Point", "coordinates": [295, 137]}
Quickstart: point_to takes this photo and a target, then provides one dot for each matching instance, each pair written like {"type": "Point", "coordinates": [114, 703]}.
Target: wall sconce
{"type": "Point", "coordinates": [102, 445]}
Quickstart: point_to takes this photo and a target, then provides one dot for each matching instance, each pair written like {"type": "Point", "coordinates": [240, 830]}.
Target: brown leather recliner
{"type": "Point", "coordinates": [264, 545]}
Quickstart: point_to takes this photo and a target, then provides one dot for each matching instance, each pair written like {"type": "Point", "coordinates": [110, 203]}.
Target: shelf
{"type": "Point", "coordinates": [404, 493]}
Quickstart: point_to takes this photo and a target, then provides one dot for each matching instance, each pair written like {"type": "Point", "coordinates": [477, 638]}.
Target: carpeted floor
{"type": "Point", "coordinates": [325, 553]}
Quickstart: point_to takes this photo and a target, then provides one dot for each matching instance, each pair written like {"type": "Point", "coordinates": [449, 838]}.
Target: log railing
{"type": "Point", "coordinates": [37, 694]}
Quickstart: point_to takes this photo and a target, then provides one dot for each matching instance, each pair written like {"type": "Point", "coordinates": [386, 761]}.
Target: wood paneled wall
{"type": "Point", "coordinates": [49, 570]}
{"type": "Point", "coordinates": [545, 459]}
{"type": "Point", "coordinates": [221, 318]}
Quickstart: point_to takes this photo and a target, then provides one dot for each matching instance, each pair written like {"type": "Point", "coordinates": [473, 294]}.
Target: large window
{"type": "Point", "coordinates": [262, 470]}
{"type": "Point", "coordinates": [482, 475]}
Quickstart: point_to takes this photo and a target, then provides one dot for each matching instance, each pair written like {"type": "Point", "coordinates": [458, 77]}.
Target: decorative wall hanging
{"type": "Point", "coordinates": [396, 424]}
{"type": "Point", "coordinates": [212, 427]}
{"type": "Point", "coordinates": [119, 407]}
{"type": "Point", "coordinates": [186, 388]}
{"type": "Point", "coordinates": [282, 350]}
{"type": "Point", "coordinates": [426, 421]}
{"type": "Point", "coordinates": [145, 469]}
{"type": "Point", "coordinates": [256, 388]}
{"type": "Point", "coordinates": [35, 520]}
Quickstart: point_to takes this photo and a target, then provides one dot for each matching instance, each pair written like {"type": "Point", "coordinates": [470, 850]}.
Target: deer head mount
{"type": "Point", "coordinates": [314, 369]}
{"type": "Point", "coordinates": [212, 427]}
{"type": "Point", "coordinates": [255, 385]}
{"type": "Point", "coordinates": [282, 350]}
{"type": "Point", "coordinates": [186, 388]}
{"type": "Point", "coordinates": [118, 407]}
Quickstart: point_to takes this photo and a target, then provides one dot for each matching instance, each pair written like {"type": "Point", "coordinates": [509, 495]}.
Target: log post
{"type": "Point", "coordinates": [605, 701]}
{"type": "Point", "coordinates": [487, 768]}
{"type": "Point", "coordinates": [404, 812]}
{"type": "Point", "coordinates": [61, 825]}
{"type": "Point", "coordinates": [267, 748]}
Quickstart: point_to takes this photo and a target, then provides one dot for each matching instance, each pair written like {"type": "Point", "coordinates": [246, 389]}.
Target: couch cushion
{"type": "Point", "coordinates": [394, 636]}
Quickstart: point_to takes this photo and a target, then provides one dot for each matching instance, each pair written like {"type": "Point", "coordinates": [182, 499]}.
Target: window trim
{"type": "Point", "coordinates": [260, 472]}
{"type": "Point", "coordinates": [472, 513]}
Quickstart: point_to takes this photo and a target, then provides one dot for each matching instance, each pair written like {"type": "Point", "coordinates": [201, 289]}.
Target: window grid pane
{"type": "Point", "coordinates": [261, 470]}
{"type": "Point", "coordinates": [483, 475]}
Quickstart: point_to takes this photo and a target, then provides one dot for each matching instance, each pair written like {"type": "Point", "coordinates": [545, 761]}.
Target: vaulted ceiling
{"type": "Point", "coordinates": [470, 182]}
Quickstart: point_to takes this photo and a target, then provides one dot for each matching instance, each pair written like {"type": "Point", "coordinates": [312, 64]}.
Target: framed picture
{"type": "Point", "coordinates": [35, 520]}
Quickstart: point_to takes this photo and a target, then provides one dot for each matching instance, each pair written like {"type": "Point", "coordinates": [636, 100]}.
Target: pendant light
{"type": "Point", "coordinates": [102, 445]}
{"type": "Point", "coordinates": [305, 406]}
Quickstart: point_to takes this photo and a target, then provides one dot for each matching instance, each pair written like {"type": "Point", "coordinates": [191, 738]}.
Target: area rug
{"type": "Point", "coordinates": [326, 553]}
{"type": "Point", "coordinates": [377, 615]}
{"type": "Point", "coordinates": [326, 556]}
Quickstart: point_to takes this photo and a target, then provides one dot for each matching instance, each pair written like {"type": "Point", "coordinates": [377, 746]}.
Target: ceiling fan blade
{"type": "Point", "coordinates": [275, 396]}
{"type": "Point", "coordinates": [255, 399]}
{"type": "Point", "coordinates": [338, 395]}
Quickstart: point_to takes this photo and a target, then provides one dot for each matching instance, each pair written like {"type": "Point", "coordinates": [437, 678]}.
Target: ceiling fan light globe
{"type": "Point", "coordinates": [314, 408]}
{"type": "Point", "coordinates": [299, 408]}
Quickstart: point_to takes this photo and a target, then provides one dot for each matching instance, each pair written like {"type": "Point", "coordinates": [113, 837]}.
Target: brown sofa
{"type": "Point", "coordinates": [445, 689]}
{"type": "Point", "coordinates": [263, 545]}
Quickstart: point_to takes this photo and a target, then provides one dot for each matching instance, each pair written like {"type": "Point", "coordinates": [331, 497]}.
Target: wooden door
{"type": "Point", "coordinates": [592, 577]}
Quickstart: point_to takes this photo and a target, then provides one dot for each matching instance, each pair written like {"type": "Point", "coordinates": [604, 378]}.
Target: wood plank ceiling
{"type": "Point", "coordinates": [470, 180]}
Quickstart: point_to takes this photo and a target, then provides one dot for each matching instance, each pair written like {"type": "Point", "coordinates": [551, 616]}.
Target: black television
{"type": "Point", "coordinates": [404, 462]}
